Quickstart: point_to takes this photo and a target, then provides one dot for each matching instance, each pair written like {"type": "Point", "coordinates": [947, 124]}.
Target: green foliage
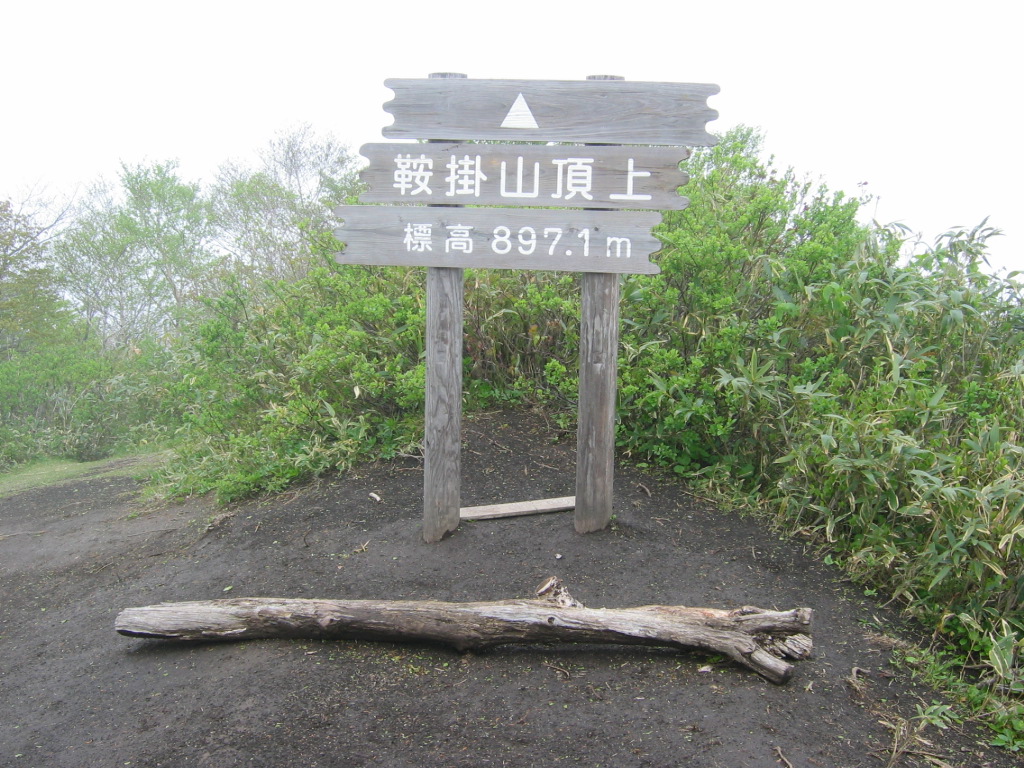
{"type": "Point", "coordinates": [31, 310]}
{"type": "Point", "coordinates": [519, 326]}
{"type": "Point", "coordinates": [987, 700]}
{"type": "Point", "coordinates": [74, 400]}
{"type": "Point", "coordinates": [135, 259]}
{"type": "Point", "coordinates": [872, 402]}
{"type": "Point", "coordinates": [167, 222]}
{"type": "Point", "coordinates": [906, 456]}
{"type": "Point", "coordinates": [274, 222]}
{"type": "Point", "coordinates": [869, 400]}
{"type": "Point", "coordinates": [701, 342]}
{"type": "Point", "coordinates": [60, 393]}
{"type": "Point", "coordinates": [327, 371]}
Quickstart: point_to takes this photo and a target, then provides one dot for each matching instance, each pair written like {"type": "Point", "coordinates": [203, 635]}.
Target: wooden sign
{"type": "Point", "coordinates": [499, 238]}
{"type": "Point", "coordinates": [518, 174]}
{"type": "Point", "coordinates": [556, 216]}
{"type": "Point", "coordinates": [595, 111]}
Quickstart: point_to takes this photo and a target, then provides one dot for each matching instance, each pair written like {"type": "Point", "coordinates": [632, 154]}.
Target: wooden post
{"type": "Point", "coordinates": [442, 448]}
{"type": "Point", "coordinates": [595, 440]}
{"type": "Point", "coordinates": [595, 437]}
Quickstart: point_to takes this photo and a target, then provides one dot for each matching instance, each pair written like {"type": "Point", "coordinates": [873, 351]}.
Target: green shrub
{"type": "Point", "coordinates": [71, 399]}
{"type": "Point", "coordinates": [319, 373]}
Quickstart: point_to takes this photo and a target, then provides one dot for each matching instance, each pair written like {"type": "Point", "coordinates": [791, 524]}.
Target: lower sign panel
{"type": "Point", "coordinates": [499, 238]}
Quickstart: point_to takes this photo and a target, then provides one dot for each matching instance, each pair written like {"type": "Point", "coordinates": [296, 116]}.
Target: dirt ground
{"type": "Point", "coordinates": [74, 693]}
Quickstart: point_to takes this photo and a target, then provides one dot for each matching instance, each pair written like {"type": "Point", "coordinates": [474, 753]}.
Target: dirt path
{"type": "Point", "coordinates": [74, 693]}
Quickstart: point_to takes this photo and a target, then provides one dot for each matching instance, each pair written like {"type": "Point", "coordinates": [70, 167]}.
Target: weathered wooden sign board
{"type": "Point", "coordinates": [565, 217]}
{"type": "Point", "coordinates": [501, 238]}
{"type": "Point", "coordinates": [538, 175]}
{"type": "Point", "coordinates": [600, 111]}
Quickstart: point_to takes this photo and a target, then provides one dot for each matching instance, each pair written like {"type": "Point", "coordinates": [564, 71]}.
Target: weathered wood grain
{"type": "Point", "coordinates": [597, 111]}
{"type": "Point", "coordinates": [442, 419]}
{"type": "Point", "coordinates": [516, 508]}
{"type": "Point", "coordinates": [442, 458]}
{"type": "Point", "coordinates": [595, 436]}
{"type": "Point", "coordinates": [500, 238]}
{"type": "Point", "coordinates": [525, 175]}
{"type": "Point", "coordinates": [752, 637]}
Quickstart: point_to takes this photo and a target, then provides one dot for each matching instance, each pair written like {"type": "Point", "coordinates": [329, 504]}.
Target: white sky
{"type": "Point", "coordinates": [915, 98]}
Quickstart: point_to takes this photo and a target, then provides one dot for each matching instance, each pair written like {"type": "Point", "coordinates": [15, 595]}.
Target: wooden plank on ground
{"type": "Point", "coordinates": [515, 508]}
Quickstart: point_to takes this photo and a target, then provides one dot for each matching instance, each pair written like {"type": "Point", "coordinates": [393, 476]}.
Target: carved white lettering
{"type": "Point", "coordinates": [631, 176]}
{"type": "Point", "coordinates": [519, 190]}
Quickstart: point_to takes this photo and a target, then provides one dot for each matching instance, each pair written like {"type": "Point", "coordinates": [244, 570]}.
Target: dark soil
{"type": "Point", "coordinates": [74, 693]}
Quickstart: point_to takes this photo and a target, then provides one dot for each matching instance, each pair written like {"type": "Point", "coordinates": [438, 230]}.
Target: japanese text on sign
{"type": "Point", "coordinates": [570, 176]}
{"type": "Point", "coordinates": [541, 176]}
{"type": "Point", "coordinates": [524, 241]}
{"type": "Point", "coordinates": [527, 238]}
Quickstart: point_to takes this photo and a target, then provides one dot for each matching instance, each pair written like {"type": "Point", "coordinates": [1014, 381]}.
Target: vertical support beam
{"type": "Point", "coordinates": [595, 436]}
{"type": "Point", "coordinates": [442, 427]}
{"type": "Point", "coordinates": [595, 439]}
{"type": "Point", "coordinates": [442, 475]}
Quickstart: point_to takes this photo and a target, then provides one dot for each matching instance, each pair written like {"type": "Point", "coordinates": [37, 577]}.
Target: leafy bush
{"type": "Point", "coordinates": [325, 371]}
{"type": "Point", "coordinates": [867, 399]}
{"type": "Point", "coordinates": [74, 400]}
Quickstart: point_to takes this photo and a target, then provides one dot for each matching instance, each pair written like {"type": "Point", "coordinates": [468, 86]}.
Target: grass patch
{"type": "Point", "coordinates": [46, 472]}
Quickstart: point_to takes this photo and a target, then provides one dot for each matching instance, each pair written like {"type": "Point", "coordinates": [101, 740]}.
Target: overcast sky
{"type": "Point", "coordinates": [914, 98]}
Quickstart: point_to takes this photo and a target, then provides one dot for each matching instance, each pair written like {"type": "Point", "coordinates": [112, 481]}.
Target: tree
{"type": "Point", "coordinates": [276, 220]}
{"type": "Point", "coordinates": [138, 258]}
{"type": "Point", "coordinates": [169, 224]}
{"type": "Point", "coordinates": [30, 307]}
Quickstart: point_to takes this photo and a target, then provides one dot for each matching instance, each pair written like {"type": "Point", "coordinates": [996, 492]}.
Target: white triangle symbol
{"type": "Point", "coordinates": [520, 115]}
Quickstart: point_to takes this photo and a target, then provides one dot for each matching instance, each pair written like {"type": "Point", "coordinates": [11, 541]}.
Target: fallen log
{"type": "Point", "coordinates": [756, 638]}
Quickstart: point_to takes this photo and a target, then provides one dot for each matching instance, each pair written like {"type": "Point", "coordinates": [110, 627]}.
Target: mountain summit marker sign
{"type": "Point", "coordinates": [557, 202]}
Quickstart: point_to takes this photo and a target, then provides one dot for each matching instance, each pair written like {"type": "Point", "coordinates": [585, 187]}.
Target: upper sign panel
{"type": "Point", "coordinates": [581, 111]}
